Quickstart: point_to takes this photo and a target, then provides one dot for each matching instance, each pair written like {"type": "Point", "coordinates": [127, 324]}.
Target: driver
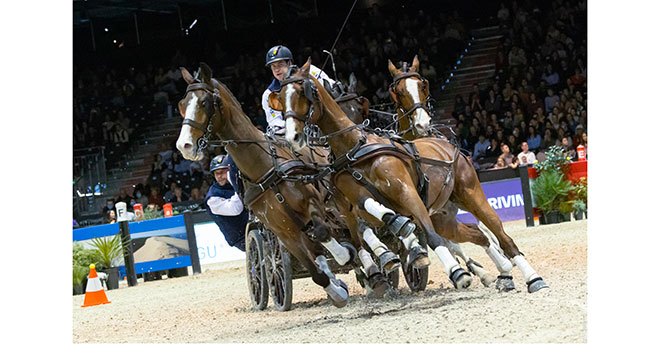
{"type": "Point", "coordinates": [279, 59]}
{"type": "Point", "coordinates": [223, 203]}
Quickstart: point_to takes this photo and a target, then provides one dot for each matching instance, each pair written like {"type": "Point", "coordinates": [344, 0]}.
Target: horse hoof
{"type": "Point", "coordinates": [461, 279]}
{"type": "Point", "coordinates": [418, 257]}
{"type": "Point", "coordinates": [378, 284]}
{"type": "Point", "coordinates": [536, 285]}
{"type": "Point", "coordinates": [504, 283]}
{"type": "Point", "coordinates": [389, 262]}
{"type": "Point", "coordinates": [486, 280]}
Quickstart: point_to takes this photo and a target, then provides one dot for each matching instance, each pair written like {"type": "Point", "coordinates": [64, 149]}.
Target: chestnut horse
{"type": "Point", "coordinates": [377, 168]}
{"type": "Point", "coordinates": [354, 107]}
{"type": "Point", "coordinates": [209, 108]}
{"type": "Point", "coordinates": [410, 93]}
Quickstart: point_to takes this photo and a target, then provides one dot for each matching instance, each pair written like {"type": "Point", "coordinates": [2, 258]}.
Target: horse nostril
{"type": "Point", "coordinates": [296, 138]}
{"type": "Point", "coordinates": [187, 146]}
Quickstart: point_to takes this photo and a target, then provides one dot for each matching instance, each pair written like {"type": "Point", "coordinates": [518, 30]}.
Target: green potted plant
{"type": "Point", "coordinates": [550, 190]}
{"type": "Point", "coordinates": [82, 258]}
{"type": "Point", "coordinates": [565, 209]}
{"type": "Point", "coordinates": [108, 249]}
{"type": "Point", "coordinates": [580, 191]}
{"type": "Point", "coordinates": [579, 208]}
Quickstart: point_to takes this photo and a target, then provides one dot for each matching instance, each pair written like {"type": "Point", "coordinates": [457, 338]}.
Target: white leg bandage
{"type": "Point", "coordinates": [376, 209]}
{"type": "Point", "coordinates": [410, 241]}
{"type": "Point", "coordinates": [524, 266]}
{"type": "Point", "coordinates": [502, 263]}
{"type": "Point", "coordinates": [367, 261]}
{"type": "Point", "coordinates": [340, 253]}
{"type": "Point", "coordinates": [374, 243]}
{"type": "Point", "coordinates": [448, 260]}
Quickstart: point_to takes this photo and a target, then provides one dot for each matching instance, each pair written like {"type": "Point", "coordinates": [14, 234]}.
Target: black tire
{"type": "Point", "coordinates": [278, 272]}
{"type": "Point", "coordinates": [256, 272]}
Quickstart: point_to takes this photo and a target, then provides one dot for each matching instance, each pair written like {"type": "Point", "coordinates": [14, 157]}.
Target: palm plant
{"type": "Point", "coordinates": [107, 249]}
{"type": "Point", "coordinates": [550, 189]}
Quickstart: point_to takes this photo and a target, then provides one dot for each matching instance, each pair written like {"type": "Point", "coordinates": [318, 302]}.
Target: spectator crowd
{"type": "Point", "coordinates": [538, 96]}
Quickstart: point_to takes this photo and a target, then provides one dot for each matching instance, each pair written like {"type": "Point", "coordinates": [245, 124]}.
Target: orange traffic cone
{"type": "Point", "coordinates": [94, 294]}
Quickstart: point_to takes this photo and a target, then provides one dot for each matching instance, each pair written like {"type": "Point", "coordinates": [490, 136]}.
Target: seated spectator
{"type": "Point", "coordinates": [195, 194]}
{"type": "Point", "coordinates": [180, 195]}
{"type": "Point", "coordinates": [169, 195]}
{"type": "Point", "coordinates": [526, 157]}
{"type": "Point", "coordinates": [123, 197]}
{"type": "Point", "coordinates": [480, 148]}
{"type": "Point", "coordinates": [110, 217]}
{"type": "Point", "coordinates": [568, 147]}
{"type": "Point", "coordinates": [182, 166]}
{"type": "Point", "coordinates": [155, 198]}
{"type": "Point", "coordinates": [499, 165]}
{"type": "Point", "coordinates": [547, 140]}
{"type": "Point", "coordinates": [140, 197]}
{"type": "Point", "coordinates": [493, 149]}
{"type": "Point", "coordinates": [109, 205]}
{"type": "Point", "coordinates": [533, 139]}
{"type": "Point", "coordinates": [551, 77]}
{"type": "Point", "coordinates": [459, 105]}
{"type": "Point", "coordinates": [158, 165]}
{"type": "Point", "coordinates": [550, 100]}
{"type": "Point", "coordinates": [509, 159]}
{"type": "Point", "coordinates": [493, 103]}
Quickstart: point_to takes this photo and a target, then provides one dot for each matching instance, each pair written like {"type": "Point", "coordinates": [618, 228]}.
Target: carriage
{"type": "Point", "coordinates": [271, 269]}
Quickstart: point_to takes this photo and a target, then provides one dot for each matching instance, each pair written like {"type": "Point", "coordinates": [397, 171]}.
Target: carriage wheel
{"type": "Point", "coordinates": [278, 271]}
{"type": "Point", "coordinates": [417, 278]}
{"type": "Point", "coordinates": [256, 272]}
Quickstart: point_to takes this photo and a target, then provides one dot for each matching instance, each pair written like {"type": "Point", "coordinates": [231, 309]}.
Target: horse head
{"type": "Point", "coordinates": [198, 107]}
{"type": "Point", "coordinates": [410, 92]}
{"type": "Point", "coordinates": [295, 100]}
{"type": "Point", "coordinates": [354, 106]}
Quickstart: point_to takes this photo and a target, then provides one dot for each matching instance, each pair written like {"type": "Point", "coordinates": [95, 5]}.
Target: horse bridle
{"type": "Point", "coordinates": [309, 91]}
{"type": "Point", "coordinates": [418, 105]}
{"type": "Point", "coordinates": [206, 128]}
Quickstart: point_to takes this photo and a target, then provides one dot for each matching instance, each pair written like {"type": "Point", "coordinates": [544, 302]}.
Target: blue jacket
{"type": "Point", "coordinates": [232, 227]}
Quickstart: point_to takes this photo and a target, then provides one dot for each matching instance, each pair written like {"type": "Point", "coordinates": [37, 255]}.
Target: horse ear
{"type": "Point", "coordinates": [274, 101]}
{"type": "Point", "coordinates": [186, 75]}
{"type": "Point", "coordinates": [305, 68]}
{"type": "Point", "coordinates": [393, 70]}
{"type": "Point", "coordinates": [415, 65]}
{"type": "Point", "coordinates": [181, 106]}
{"type": "Point", "coordinates": [365, 106]}
{"type": "Point", "coordinates": [205, 72]}
{"type": "Point", "coordinates": [352, 83]}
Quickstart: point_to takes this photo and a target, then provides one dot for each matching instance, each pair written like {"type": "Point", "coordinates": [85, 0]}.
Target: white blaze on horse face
{"type": "Point", "coordinates": [185, 136]}
{"type": "Point", "coordinates": [289, 91]}
{"type": "Point", "coordinates": [422, 118]}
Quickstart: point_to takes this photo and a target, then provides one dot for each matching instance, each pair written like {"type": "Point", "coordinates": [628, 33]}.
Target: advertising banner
{"type": "Point", "coordinates": [505, 197]}
{"type": "Point", "coordinates": [212, 247]}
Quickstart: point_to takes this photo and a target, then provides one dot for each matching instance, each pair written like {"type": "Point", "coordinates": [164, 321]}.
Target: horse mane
{"type": "Point", "coordinates": [222, 87]}
{"type": "Point", "coordinates": [330, 104]}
